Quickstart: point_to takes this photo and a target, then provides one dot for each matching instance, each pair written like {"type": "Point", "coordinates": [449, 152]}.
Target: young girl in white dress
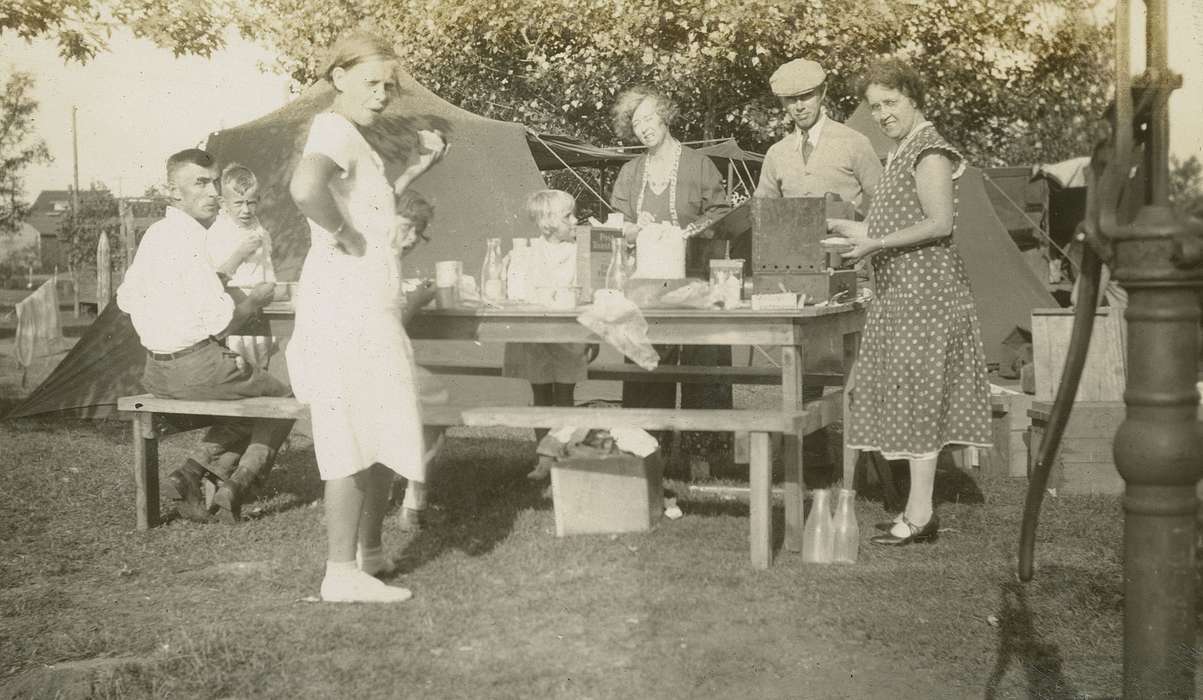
{"type": "Point", "coordinates": [553, 369]}
{"type": "Point", "coordinates": [350, 358]}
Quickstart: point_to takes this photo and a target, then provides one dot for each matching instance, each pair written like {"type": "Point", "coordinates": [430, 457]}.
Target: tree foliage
{"type": "Point", "coordinates": [100, 212]}
{"type": "Point", "coordinates": [19, 148]}
{"type": "Point", "coordinates": [1186, 186]}
{"type": "Point", "coordinates": [81, 28]}
{"type": "Point", "coordinates": [1011, 81]}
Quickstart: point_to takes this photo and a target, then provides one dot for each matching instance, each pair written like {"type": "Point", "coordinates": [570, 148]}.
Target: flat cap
{"type": "Point", "coordinates": [796, 77]}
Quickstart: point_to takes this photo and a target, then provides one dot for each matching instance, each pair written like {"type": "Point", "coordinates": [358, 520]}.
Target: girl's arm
{"type": "Point", "coordinates": [415, 300]}
{"type": "Point", "coordinates": [310, 189]}
{"type": "Point", "coordinates": [431, 149]}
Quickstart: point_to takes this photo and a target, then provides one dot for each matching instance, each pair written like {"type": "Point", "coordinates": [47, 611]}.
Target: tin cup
{"type": "Point", "coordinates": [447, 275]}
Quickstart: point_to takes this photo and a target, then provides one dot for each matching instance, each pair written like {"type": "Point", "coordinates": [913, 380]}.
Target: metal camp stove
{"type": "Point", "coordinates": [786, 254]}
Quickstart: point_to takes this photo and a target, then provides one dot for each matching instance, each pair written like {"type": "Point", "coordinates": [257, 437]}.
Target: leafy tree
{"type": "Point", "coordinates": [81, 28]}
{"type": "Point", "coordinates": [19, 148]}
{"type": "Point", "coordinates": [99, 211]}
{"type": "Point", "coordinates": [1186, 186]}
{"type": "Point", "coordinates": [1009, 80]}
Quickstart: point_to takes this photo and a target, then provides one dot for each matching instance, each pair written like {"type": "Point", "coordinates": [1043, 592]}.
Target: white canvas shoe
{"type": "Point", "coordinates": [359, 587]}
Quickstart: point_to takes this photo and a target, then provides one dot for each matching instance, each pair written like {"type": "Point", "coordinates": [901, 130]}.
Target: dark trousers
{"type": "Point", "coordinates": [708, 446]}
{"type": "Point", "coordinates": [214, 373]}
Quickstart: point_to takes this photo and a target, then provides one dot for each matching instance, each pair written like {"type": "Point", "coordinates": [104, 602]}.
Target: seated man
{"type": "Point", "coordinates": [182, 312]}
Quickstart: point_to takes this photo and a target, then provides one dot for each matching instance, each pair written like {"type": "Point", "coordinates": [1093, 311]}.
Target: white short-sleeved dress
{"type": "Point", "coordinates": [920, 377]}
{"type": "Point", "coordinates": [548, 363]}
{"type": "Point", "coordinates": [350, 358]}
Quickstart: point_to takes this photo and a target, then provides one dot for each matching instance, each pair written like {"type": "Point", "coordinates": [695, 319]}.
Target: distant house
{"type": "Point", "coordinates": [47, 211]}
{"type": "Point", "coordinates": [53, 206]}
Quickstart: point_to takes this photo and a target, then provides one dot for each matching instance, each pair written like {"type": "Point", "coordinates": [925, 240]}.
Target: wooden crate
{"type": "Point", "coordinates": [1085, 463]}
{"type": "Point", "coordinates": [620, 493]}
{"type": "Point", "coordinates": [1105, 373]}
{"type": "Point", "coordinates": [1008, 427]}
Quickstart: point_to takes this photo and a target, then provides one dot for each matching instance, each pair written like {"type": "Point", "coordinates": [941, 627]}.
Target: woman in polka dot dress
{"type": "Point", "coordinates": [920, 379]}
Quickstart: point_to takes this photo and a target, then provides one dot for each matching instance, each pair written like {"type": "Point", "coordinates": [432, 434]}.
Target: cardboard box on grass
{"type": "Point", "coordinates": [608, 494]}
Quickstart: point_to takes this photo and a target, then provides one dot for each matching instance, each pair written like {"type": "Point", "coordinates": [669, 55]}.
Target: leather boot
{"type": "Point", "coordinates": [190, 499]}
{"type": "Point", "coordinates": [234, 490]}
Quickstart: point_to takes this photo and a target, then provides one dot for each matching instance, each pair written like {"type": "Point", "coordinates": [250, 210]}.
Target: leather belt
{"type": "Point", "coordinates": [201, 345]}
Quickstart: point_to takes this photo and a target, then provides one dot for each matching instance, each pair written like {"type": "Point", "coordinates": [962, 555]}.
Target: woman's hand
{"type": "Point", "coordinates": [431, 149]}
{"type": "Point", "coordinates": [857, 235]}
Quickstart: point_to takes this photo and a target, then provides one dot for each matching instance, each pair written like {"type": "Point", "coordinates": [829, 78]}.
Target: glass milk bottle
{"type": "Point", "coordinates": [492, 274]}
{"type": "Point", "coordinates": [617, 273]}
{"type": "Point", "coordinates": [847, 531]}
{"type": "Point", "coordinates": [818, 533]}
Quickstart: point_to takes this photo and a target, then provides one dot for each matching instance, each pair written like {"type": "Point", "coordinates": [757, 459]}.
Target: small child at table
{"type": "Point", "coordinates": [553, 369]}
{"type": "Point", "coordinates": [413, 216]}
{"type": "Point", "coordinates": [240, 250]}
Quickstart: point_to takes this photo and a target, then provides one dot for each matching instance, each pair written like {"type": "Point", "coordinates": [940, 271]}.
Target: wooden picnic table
{"type": "Point", "coordinates": [797, 333]}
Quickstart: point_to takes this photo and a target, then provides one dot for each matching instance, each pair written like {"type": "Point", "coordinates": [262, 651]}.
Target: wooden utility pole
{"type": "Point", "coordinates": [125, 211]}
{"type": "Point", "coordinates": [75, 161]}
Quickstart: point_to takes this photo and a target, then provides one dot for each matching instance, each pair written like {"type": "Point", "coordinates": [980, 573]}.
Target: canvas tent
{"type": "Point", "coordinates": [479, 191]}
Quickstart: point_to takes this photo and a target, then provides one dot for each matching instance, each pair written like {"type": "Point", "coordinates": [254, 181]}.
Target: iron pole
{"type": "Point", "coordinates": [1157, 447]}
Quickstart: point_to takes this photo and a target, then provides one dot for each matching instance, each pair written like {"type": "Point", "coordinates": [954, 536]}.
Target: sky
{"type": "Point", "coordinates": [137, 103]}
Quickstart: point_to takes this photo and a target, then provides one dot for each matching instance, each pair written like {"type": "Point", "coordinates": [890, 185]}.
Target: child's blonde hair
{"type": "Point", "coordinates": [543, 205]}
{"type": "Point", "coordinates": [238, 178]}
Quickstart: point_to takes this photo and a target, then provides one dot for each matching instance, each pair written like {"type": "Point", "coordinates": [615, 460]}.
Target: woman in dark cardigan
{"type": "Point", "coordinates": [673, 184]}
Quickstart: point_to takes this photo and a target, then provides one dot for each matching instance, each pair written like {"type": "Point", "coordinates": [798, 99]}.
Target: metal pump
{"type": "Point", "coordinates": [1158, 259]}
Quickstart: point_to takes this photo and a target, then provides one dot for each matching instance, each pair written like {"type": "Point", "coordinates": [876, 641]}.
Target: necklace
{"type": "Point", "coordinates": [674, 156]}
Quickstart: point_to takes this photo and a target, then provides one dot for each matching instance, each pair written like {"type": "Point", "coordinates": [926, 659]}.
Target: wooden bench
{"type": "Point", "coordinates": [759, 423]}
{"type": "Point", "coordinates": [143, 408]}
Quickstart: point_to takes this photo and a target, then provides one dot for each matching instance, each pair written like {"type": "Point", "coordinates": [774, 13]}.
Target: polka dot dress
{"type": "Point", "coordinates": [920, 378]}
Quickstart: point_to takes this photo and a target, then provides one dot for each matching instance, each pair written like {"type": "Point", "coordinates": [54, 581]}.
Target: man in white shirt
{"type": "Point", "coordinates": [182, 312]}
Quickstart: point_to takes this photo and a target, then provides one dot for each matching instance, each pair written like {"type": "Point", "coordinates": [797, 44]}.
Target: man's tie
{"type": "Point", "coordinates": [805, 147]}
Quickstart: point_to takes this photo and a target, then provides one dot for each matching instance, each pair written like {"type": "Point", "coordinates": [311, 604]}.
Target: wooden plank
{"type": "Point", "coordinates": [257, 407]}
{"type": "Point", "coordinates": [767, 376]}
{"type": "Point", "coordinates": [263, 407]}
{"type": "Point", "coordinates": [146, 471]}
{"type": "Point", "coordinates": [646, 418]}
{"type": "Point", "coordinates": [851, 456]}
{"type": "Point", "coordinates": [1104, 375]}
{"type": "Point", "coordinates": [793, 359]}
{"type": "Point", "coordinates": [760, 496]}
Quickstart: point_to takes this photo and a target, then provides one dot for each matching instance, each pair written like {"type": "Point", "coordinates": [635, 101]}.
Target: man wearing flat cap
{"type": "Point", "coordinates": [820, 155]}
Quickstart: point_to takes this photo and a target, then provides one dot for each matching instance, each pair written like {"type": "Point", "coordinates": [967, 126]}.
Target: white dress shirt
{"type": "Point", "coordinates": [173, 296]}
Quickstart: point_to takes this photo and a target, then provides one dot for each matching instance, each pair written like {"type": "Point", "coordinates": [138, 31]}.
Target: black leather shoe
{"type": "Point", "coordinates": [190, 500]}
{"type": "Point", "coordinates": [927, 533]}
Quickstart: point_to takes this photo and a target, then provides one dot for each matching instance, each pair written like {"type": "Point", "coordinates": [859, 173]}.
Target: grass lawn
{"type": "Point", "coordinates": [504, 609]}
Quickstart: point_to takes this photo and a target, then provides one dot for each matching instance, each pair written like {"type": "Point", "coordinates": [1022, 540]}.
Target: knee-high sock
{"type": "Point", "coordinates": [923, 482]}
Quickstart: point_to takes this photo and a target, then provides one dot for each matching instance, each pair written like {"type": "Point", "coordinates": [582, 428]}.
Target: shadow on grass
{"type": "Point", "coordinates": [1019, 642]}
{"type": "Point", "coordinates": [480, 485]}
